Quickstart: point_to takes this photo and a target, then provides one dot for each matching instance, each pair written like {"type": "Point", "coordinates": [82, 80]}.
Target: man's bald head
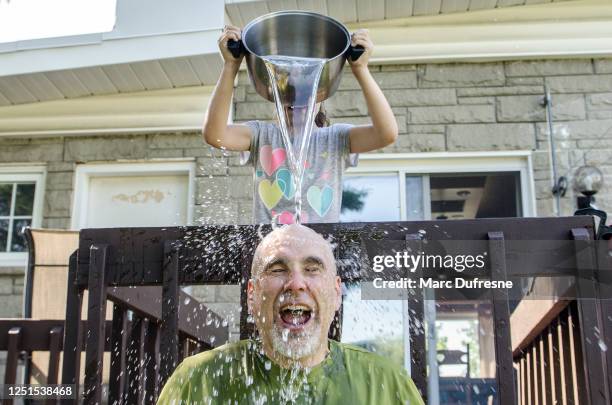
{"type": "Point", "coordinates": [293, 294]}
{"type": "Point", "coordinates": [295, 235]}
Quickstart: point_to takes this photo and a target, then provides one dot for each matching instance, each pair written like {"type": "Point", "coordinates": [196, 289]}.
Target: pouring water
{"type": "Point", "coordinates": [296, 79]}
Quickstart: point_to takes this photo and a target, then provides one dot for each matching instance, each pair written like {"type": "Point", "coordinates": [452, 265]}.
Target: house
{"type": "Point", "coordinates": [103, 130]}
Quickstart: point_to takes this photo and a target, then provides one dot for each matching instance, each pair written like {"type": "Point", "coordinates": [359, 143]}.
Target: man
{"type": "Point", "coordinates": [293, 295]}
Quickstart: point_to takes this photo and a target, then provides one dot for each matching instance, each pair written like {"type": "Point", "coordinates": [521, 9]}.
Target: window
{"type": "Point", "coordinates": [374, 196]}
{"type": "Point", "coordinates": [133, 194]}
{"type": "Point", "coordinates": [16, 209]}
{"type": "Point", "coordinates": [20, 207]}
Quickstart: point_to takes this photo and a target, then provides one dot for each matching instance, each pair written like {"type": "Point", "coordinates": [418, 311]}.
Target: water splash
{"type": "Point", "coordinates": [294, 83]}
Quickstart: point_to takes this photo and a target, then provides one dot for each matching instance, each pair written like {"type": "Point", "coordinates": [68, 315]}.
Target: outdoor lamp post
{"type": "Point", "coordinates": [588, 180]}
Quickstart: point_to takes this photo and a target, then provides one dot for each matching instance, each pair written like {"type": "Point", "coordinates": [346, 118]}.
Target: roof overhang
{"type": "Point", "coordinates": [171, 110]}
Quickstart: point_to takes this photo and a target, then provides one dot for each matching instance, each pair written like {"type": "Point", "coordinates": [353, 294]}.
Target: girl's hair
{"type": "Point", "coordinates": [321, 119]}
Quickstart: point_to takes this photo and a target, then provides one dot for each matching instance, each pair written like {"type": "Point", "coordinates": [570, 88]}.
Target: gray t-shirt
{"type": "Point", "coordinates": [273, 196]}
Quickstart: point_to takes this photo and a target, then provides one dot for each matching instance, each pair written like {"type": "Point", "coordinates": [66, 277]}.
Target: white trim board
{"type": "Point", "coordinates": [85, 172]}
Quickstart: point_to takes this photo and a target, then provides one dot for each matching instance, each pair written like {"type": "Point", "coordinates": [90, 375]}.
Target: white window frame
{"type": "Point", "coordinates": [404, 164]}
{"type": "Point", "coordinates": [85, 172]}
{"type": "Point", "coordinates": [38, 175]}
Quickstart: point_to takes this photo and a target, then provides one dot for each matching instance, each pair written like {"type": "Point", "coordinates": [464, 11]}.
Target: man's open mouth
{"type": "Point", "coordinates": [295, 316]}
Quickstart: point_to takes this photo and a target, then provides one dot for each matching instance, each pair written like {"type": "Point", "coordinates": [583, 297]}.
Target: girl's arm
{"type": "Point", "coordinates": [383, 130]}
{"type": "Point", "coordinates": [215, 130]}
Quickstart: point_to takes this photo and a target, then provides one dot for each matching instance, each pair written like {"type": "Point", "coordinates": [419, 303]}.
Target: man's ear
{"type": "Point", "coordinates": [250, 295]}
{"type": "Point", "coordinates": [338, 293]}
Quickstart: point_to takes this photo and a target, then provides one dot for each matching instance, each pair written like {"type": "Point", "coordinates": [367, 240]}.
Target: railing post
{"type": "Point", "coordinates": [590, 319]}
{"type": "Point", "coordinates": [55, 345]}
{"type": "Point", "coordinates": [71, 366]}
{"type": "Point", "coordinates": [150, 362]}
{"type": "Point", "coordinates": [416, 330]}
{"type": "Point", "coordinates": [134, 366]}
{"type": "Point", "coordinates": [96, 323]}
{"type": "Point", "coordinates": [12, 355]}
{"type": "Point", "coordinates": [604, 273]}
{"type": "Point", "coordinates": [118, 348]}
{"type": "Point", "coordinates": [501, 320]}
{"type": "Point", "coordinates": [247, 328]}
{"type": "Point", "coordinates": [169, 324]}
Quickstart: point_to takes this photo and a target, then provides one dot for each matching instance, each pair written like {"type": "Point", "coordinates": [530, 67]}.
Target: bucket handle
{"type": "Point", "coordinates": [236, 48]}
{"type": "Point", "coordinates": [354, 52]}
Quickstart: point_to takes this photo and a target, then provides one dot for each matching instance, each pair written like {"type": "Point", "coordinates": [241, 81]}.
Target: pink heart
{"type": "Point", "coordinates": [325, 175]}
{"type": "Point", "coordinates": [271, 159]}
{"type": "Point", "coordinates": [287, 218]}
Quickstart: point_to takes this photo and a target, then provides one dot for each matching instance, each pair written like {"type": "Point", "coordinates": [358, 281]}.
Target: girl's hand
{"type": "Point", "coordinates": [361, 37]}
{"type": "Point", "coordinates": [229, 32]}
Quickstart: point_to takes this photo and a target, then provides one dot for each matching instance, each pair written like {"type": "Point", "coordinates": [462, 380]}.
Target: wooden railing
{"type": "Point", "coordinates": [132, 338]}
{"type": "Point", "coordinates": [28, 335]}
{"type": "Point", "coordinates": [135, 339]}
{"type": "Point", "coordinates": [171, 257]}
{"type": "Point", "coordinates": [550, 369]}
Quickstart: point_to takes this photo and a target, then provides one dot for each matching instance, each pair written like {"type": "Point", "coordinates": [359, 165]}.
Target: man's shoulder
{"type": "Point", "coordinates": [358, 354]}
{"type": "Point", "coordinates": [225, 352]}
{"type": "Point", "coordinates": [367, 365]}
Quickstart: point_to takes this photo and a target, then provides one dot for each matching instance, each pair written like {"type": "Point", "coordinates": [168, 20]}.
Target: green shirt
{"type": "Point", "coordinates": [237, 373]}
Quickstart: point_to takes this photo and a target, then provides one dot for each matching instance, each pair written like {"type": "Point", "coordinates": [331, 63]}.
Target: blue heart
{"type": "Point", "coordinates": [320, 199]}
{"type": "Point", "coordinates": [285, 182]}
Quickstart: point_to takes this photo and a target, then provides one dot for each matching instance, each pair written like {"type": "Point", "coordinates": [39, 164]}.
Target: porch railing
{"type": "Point", "coordinates": [171, 257]}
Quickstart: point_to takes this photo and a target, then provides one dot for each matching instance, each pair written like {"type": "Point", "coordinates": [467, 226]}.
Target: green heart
{"type": "Point", "coordinates": [320, 199]}
{"type": "Point", "coordinates": [270, 193]}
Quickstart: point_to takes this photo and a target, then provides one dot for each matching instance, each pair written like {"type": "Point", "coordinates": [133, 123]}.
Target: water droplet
{"type": "Point", "coordinates": [602, 345]}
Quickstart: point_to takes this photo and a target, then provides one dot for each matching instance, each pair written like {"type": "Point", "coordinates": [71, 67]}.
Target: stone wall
{"type": "Point", "coordinates": [447, 107]}
{"type": "Point", "coordinates": [11, 292]}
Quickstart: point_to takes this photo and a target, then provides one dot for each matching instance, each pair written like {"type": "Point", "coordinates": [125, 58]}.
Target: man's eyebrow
{"type": "Point", "coordinates": [314, 260]}
{"type": "Point", "coordinates": [273, 262]}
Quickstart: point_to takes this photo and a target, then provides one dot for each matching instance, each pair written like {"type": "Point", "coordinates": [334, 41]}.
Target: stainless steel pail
{"type": "Point", "coordinates": [299, 34]}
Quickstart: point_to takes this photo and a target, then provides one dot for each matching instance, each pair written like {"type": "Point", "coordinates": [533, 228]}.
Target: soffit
{"type": "Point", "coordinates": [348, 11]}
{"type": "Point", "coordinates": [580, 28]}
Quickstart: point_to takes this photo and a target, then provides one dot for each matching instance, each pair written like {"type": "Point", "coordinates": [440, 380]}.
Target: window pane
{"type": "Point", "coordinates": [370, 199]}
{"type": "Point", "coordinates": [6, 190]}
{"type": "Point", "coordinates": [4, 224]}
{"type": "Point", "coordinates": [414, 198]}
{"type": "Point", "coordinates": [475, 195]}
{"type": "Point", "coordinates": [24, 201]}
{"type": "Point", "coordinates": [375, 325]}
{"type": "Point", "coordinates": [18, 243]}
{"type": "Point", "coordinates": [466, 352]}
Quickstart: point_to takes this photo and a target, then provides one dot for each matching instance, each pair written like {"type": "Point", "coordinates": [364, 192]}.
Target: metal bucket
{"type": "Point", "coordinates": [298, 34]}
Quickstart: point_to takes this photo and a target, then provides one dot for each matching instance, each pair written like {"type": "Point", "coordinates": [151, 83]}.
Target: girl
{"type": "Point", "coordinates": [331, 149]}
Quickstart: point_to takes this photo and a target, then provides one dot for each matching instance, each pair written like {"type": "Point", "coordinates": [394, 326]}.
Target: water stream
{"type": "Point", "coordinates": [294, 83]}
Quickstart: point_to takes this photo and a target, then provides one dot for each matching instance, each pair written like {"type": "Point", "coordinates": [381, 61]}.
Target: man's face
{"type": "Point", "coordinates": [294, 292]}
